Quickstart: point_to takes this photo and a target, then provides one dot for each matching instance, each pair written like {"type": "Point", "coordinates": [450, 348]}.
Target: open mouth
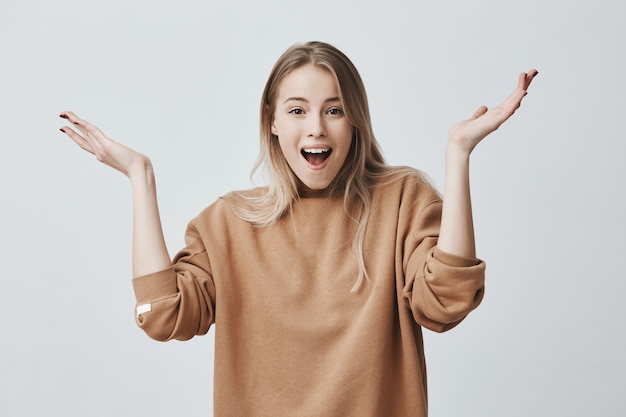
{"type": "Point", "coordinates": [316, 156]}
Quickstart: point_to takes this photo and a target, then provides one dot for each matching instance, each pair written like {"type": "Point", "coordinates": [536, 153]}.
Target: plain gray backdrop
{"type": "Point", "coordinates": [181, 81]}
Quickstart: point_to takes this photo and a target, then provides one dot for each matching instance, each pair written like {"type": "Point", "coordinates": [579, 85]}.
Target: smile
{"type": "Point", "coordinates": [316, 156]}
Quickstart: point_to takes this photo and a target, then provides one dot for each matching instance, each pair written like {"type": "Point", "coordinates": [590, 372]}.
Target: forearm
{"type": "Point", "coordinates": [457, 227]}
{"type": "Point", "coordinates": [149, 249]}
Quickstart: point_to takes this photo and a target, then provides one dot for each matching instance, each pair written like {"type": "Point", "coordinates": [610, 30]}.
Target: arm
{"type": "Point", "coordinates": [149, 250]}
{"type": "Point", "coordinates": [457, 230]}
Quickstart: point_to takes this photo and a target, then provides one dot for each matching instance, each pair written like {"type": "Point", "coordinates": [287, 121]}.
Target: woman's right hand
{"type": "Point", "coordinates": [106, 150]}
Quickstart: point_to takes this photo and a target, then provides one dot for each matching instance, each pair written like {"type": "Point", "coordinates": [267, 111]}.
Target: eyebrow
{"type": "Point", "coordinates": [328, 100]}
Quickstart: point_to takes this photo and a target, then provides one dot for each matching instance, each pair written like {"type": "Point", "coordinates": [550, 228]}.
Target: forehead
{"type": "Point", "coordinates": [310, 82]}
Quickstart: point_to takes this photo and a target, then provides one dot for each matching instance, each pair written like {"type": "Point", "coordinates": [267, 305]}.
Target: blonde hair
{"type": "Point", "coordinates": [363, 167]}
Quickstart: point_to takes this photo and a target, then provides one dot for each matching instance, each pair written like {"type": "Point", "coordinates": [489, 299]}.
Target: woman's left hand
{"type": "Point", "coordinates": [466, 134]}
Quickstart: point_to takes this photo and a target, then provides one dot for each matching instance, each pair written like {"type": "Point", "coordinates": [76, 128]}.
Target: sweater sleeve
{"type": "Point", "coordinates": [179, 302]}
{"type": "Point", "coordinates": [440, 288]}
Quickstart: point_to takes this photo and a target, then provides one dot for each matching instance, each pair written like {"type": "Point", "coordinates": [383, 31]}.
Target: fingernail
{"type": "Point", "coordinates": [63, 116]}
{"type": "Point", "coordinates": [534, 75]}
{"type": "Point", "coordinates": [61, 129]}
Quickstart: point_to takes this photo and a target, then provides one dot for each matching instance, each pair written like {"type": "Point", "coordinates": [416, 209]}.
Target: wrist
{"type": "Point", "coordinates": [456, 152]}
{"type": "Point", "coordinates": [141, 171]}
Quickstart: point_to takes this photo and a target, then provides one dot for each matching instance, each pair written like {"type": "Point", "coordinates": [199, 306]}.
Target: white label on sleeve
{"type": "Point", "coordinates": [144, 308]}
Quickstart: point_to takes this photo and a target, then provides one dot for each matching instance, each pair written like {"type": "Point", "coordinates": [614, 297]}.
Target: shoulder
{"type": "Point", "coordinates": [226, 208]}
{"type": "Point", "coordinates": [406, 182]}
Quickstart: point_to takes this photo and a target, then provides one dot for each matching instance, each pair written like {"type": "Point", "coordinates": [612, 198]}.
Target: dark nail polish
{"type": "Point", "coordinates": [63, 116]}
{"type": "Point", "coordinates": [61, 129]}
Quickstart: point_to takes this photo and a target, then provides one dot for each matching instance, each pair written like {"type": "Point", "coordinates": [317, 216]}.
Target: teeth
{"type": "Point", "coordinates": [316, 150]}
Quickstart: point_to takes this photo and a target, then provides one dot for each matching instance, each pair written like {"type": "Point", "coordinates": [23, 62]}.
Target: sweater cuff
{"type": "Point", "coordinates": [454, 260]}
{"type": "Point", "coordinates": [155, 286]}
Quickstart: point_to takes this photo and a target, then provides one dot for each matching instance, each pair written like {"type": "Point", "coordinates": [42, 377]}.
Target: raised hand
{"type": "Point", "coordinates": [149, 250]}
{"type": "Point", "coordinates": [466, 134]}
{"type": "Point", "coordinates": [106, 150]}
{"type": "Point", "coordinates": [456, 235]}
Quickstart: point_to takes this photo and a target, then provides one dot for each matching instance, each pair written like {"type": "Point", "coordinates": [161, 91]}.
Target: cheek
{"type": "Point", "coordinates": [286, 147]}
{"type": "Point", "coordinates": [349, 147]}
{"type": "Point", "coordinates": [280, 126]}
{"type": "Point", "coordinates": [287, 133]}
{"type": "Point", "coordinates": [348, 136]}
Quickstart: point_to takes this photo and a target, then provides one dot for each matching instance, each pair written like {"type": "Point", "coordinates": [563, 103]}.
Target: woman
{"type": "Point", "coordinates": [319, 283]}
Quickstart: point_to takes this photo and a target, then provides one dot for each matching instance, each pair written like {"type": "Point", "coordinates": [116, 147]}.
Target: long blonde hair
{"type": "Point", "coordinates": [363, 167]}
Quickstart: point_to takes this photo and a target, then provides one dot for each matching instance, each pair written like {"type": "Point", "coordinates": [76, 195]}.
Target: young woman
{"type": "Point", "coordinates": [319, 283]}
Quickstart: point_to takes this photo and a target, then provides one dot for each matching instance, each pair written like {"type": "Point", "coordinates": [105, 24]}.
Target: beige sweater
{"type": "Point", "coordinates": [290, 337]}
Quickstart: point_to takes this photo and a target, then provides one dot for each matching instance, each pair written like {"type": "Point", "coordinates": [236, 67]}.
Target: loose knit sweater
{"type": "Point", "coordinates": [291, 339]}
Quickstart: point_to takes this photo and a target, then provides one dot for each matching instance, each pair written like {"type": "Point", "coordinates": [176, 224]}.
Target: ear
{"type": "Point", "coordinates": [272, 124]}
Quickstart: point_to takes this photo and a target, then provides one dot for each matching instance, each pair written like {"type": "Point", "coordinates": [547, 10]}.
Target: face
{"type": "Point", "coordinates": [312, 129]}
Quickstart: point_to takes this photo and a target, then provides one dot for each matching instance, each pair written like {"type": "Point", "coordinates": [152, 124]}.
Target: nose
{"type": "Point", "coordinates": [317, 127]}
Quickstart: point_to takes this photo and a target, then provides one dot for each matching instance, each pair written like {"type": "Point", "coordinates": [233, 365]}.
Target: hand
{"type": "Point", "coordinates": [106, 150]}
{"type": "Point", "coordinates": [466, 134]}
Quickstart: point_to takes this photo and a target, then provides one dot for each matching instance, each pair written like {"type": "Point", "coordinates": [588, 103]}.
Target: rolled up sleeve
{"type": "Point", "coordinates": [441, 289]}
{"type": "Point", "coordinates": [178, 302]}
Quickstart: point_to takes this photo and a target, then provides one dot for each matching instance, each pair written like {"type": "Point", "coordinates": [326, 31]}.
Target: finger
{"type": "Point", "coordinates": [525, 78]}
{"type": "Point", "coordinates": [76, 121]}
{"type": "Point", "coordinates": [479, 112]}
{"type": "Point", "coordinates": [79, 124]}
{"type": "Point", "coordinates": [513, 101]}
{"type": "Point", "coordinates": [530, 76]}
{"type": "Point", "coordinates": [84, 126]}
{"type": "Point", "coordinates": [77, 139]}
{"type": "Point", "coordinates": [69, 116]}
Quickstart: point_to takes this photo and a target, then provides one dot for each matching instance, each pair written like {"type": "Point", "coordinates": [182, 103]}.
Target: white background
{"type": "Point", "coordinates": [181, 81]}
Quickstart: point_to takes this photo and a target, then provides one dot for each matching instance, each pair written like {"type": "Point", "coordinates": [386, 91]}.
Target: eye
{"type": "Point", "coordinates": [335, 111]}
{"type": "Point", "coordinates": [297, 111]}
